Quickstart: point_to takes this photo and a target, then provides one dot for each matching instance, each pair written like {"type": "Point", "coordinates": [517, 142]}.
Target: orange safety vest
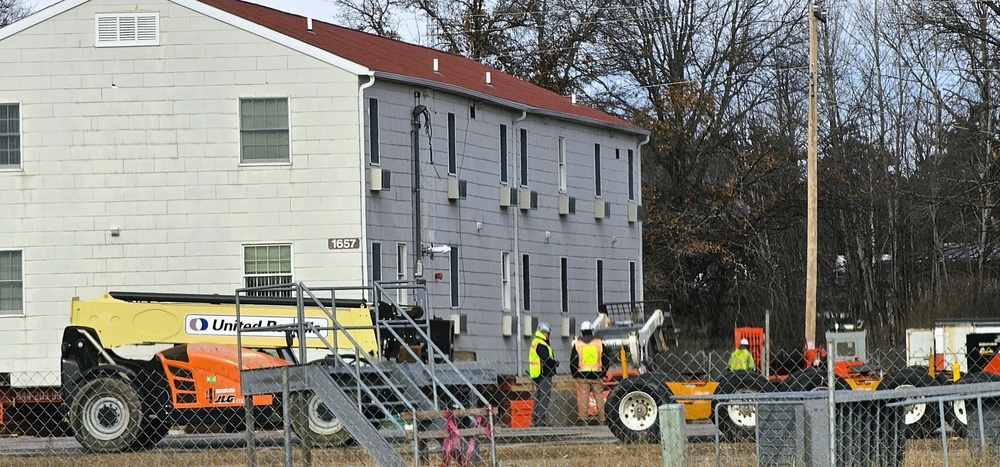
{"type": "Point", "coordinates": [589, 355]}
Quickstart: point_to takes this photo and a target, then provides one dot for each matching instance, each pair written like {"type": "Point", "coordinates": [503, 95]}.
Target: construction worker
{"type": "Point", "coordinates": [741, 359]}
{"type": "Point", "coordinates": [589, 364]}
{"type": "Point", "coordinates": [541, 366]}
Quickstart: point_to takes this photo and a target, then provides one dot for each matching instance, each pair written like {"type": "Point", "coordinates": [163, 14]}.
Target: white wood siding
{"type": "Point", "coordinates": [146, 138]}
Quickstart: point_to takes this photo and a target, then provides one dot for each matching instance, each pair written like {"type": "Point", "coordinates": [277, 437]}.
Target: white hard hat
{"type": "Point", "coordinates": [544, 327]}
{"type": "Point", "coordinates": [586, 326]}
{"type": "Point", "coordinates": [744, 342]}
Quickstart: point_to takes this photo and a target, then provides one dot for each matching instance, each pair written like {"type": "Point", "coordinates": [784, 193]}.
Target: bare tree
{"type": "Point", "coordinates": [378, 17]}
{"type": "Point", "coordinates": [12, 10]}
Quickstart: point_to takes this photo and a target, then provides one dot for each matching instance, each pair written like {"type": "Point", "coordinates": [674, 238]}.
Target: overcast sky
{"type": "Point", "coordinates": [411, 30]}
{"type": "Point", "coordinates": [318, 9]}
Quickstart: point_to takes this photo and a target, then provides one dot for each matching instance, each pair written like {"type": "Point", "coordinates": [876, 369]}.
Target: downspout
{"type": "Point", "coordinates": [519, 268]}
{"type": "Point", "coordinates": [418, 263]}
{"type": "Point", "coordinates": [364, 195]}
{"type": "Point", "coordinates": [640, 293]}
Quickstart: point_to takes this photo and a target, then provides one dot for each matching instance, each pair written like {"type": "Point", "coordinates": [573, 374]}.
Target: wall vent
{"type": "Point", "coordinates": [567, 205]}
{"type": "Point", "coordinates": [127, 29]}
{"type": "Point", "coordinates": [457, 188]}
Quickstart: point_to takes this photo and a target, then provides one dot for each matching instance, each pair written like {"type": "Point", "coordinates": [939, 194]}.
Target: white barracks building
{"type": "Point", "coordinates": [190, 146]}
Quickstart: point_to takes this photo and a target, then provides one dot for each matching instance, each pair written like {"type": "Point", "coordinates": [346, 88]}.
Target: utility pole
{"type": "Point", "coordinates": [812, 185]}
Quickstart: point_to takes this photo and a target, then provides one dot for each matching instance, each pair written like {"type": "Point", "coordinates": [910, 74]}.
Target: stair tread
{"type": "Point", "coordinates": [441, 434]}
{"type": "Point", "coordinates": [434, 414]}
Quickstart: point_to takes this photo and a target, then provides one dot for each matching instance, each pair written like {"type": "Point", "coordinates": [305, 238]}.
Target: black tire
{"type": "Point", "coordinates": [633, 405]}
{"type": "Point", "coordinates": [810, 379]}
{"type": "Point", "coordinates": [106, 415]}
{"type": "Point", "coordinates": [957, 414]}
{"type": "Point", "coordinates": [314, 424]}
{"type": "Point", "coordinates": [153, 431]}
{"type": "Point", "coordinates": [920, 419]}
{"type": "Point", "coordinates": [738, 422]}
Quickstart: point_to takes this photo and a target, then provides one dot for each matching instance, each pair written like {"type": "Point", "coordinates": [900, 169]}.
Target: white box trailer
{"type": "Point", "coordinates": [948, 339]}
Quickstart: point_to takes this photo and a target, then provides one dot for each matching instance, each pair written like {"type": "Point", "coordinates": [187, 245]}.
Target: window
{"type": "Point", "coordinates": [631, 175]}
{"type": "Point", "coordinates": [11, 283]}
{"type": "Point", "coordinates": [505, 280]}
{"type": "Point", "coordinates": [264, 135]}
{"type": "Point", "coordinates": [454, 277]}
{"type": "Point", "coordinates": [631, 281]}
{"type": "Point", "coordinates": [524, 157]}
{"type": "Point", "coordinates": [265, 265]}
{"type": "Point", "coordinates": [127, 29]}
{"type": "Point", "coordinates": [564, 284]}
{"type": "Point", "coordinates": [600, 281]}
{"type": "Point", "coordinates": [452, 151]}
{"type": "Point", "coordinates": [10, 135]}
{"type": "Point", "coordinates": [526, 281]}
{"type": "Point", "coordinates": [503, 153]}
{"type": "Point", "coordinates": [401, 272]}
{"type": "Point", "coordinates": [373, 141]}
{"type": "Point", "coordinates": [597, 170]}
{"type": "Point", "coordinates": [376, 262]}
{"type": "Point", "coordinates": [562, 164]}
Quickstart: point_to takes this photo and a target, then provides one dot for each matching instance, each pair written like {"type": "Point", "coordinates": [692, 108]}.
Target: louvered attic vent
{"type": "Point", "coordinates": [128, 29]}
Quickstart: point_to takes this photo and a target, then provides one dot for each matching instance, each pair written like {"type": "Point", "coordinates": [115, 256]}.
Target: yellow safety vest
{"type": "Point", "coordinates": [535, 361]}
{"type": "Point", "coordinates": [589, 355]}
{"type": "Point", "coordinates": [741, 359]}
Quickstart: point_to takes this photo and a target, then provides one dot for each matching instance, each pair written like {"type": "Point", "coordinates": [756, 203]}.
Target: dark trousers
{"type": "Point", "coordinates": [543, 392]}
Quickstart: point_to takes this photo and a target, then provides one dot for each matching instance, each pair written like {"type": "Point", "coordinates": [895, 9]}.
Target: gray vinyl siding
{"type": "Point", "coordinates": [579, 237]}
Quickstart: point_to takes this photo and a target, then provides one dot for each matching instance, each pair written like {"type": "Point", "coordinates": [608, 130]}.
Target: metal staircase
{"type": "Point", "coordinates": [364, 392]}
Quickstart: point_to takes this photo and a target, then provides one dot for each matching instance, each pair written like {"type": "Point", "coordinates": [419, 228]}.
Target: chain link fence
{"type": "Point", "coordinates": [919, 414]}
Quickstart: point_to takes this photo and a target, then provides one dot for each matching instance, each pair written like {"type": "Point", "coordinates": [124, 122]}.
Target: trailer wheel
{"type": "Point", "coordinates": [810, 379]}
{"type": "Point", "coordinates": [958, 416]}
{"type": "Point", "coordinates": [106, 415]}
{"type": "Point", "coordinates": [737, 422]}
{"type": "Point", "coordinates": [315, 424]}
{"type": "Point", "coordinates": [632, 408]}
{"type": "Point", "coordinates": [920, 419]}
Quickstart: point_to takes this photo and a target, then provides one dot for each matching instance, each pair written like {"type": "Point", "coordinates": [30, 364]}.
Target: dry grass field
{"type": "Point", "coordinates": [919, 453]}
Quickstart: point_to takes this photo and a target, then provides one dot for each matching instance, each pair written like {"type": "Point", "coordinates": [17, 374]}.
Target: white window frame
{"type": "Point", "coordinates": [562, 164]}
{"type": "Point", "coordinates": [291, 264]}
{"type": "Point", "coordinates": [127, 29]}
{"type": "Point", "coordinates": [522, 155]}
{"type": "Point", "coordinates": [505, 293]}
{"type": "Point", "coordinates": [19, 135]}
{"type": "Point", "coordinates": [287, 129]}
{"type": "Point", "coordinates": [631, 174]}
{"type": "Point", "coordinates": [374, 132]}
{"type": "Point", "coordinates": [19, 312]}
{"type": "Point", "coordinates": [402, 273]}
{"type": "Point", "coordinates": [504, 155]}
{"type": "Point", "coordinates": [598, 188]}
{"type": "Point", "coordinates": [452, 144]}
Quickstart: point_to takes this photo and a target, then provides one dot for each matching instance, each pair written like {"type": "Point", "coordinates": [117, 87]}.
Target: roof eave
{"type": "Point", "coordinates": [271, 34]}
{"type": "Point", "coordinates": [506, 102]}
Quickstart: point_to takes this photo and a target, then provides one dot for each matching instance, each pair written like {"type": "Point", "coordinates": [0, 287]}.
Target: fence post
{"type": "Point", "coordinates": [673, 435]}
{"type": "Point", "coordinates": [831, 381]}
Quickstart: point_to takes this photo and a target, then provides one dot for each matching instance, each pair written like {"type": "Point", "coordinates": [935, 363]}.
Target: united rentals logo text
{"type": "Point", "coordinates": [220, 325]}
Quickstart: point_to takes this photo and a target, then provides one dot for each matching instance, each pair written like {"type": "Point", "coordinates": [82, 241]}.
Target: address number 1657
{"type": "Point", "coordinates": [344, 243]}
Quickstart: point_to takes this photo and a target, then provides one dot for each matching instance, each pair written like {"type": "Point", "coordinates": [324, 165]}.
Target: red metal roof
{"type": "Point", "coordinates": [413, 61]}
